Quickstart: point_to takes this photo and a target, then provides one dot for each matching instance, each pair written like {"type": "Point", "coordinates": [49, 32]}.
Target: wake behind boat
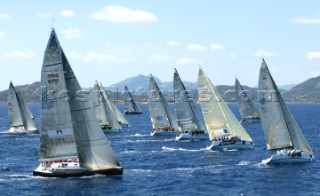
{"type": "Point", "coordinates": [162, 118]}
{"type": "Point", "coordinates": [281, 131]}
{"type": "Point", "coordinates": [248, 111]}
{"type": "Point", "coordinates": [189, 118]}
{"type": "Point", "coordinates": [69, 129]}
{"type": "Point", "coordinates": [224, 129]}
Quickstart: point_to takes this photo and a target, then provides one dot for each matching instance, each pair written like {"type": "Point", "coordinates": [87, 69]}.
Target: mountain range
{"type": "Point", "coordinates": [307, 91]}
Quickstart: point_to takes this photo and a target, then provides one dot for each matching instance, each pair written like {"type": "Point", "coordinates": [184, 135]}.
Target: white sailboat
{"type": "Point", "coordinates": [162, 117]}
{"type": "Point", "coordinates": [189, 118]}
{"type": "Point", "coordinates": [281, 131]}
{"type": "Point", "coordinates": [130, 106]}
{"type": "Point", "coordinates": [248, 111]}
{"type": "Point", "coordinates": [224, 129]}
{"type": "Point", "coordinates": [20, 117]}
{"type": "Point", "coordinates": [103, 109]}
{"type": "Point", "coordinates": [71, 140]}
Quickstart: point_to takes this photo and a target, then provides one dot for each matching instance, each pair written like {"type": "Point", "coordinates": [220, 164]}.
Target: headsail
{"type": "Point", "coordinates": [188, 116]}
{"type": "Point", "coordinates": [160, 112]}
{"type": "Point", "coordinates": [246, 107]}
{"type": "Point", "coordinates": [28, 121]}
{"type": "Point", "coordinates": [68, 124]}
{"type": "Point", "coordinates": [280, 128]}
{"type": "Point", "coordinates": [218, 117]}
{"type": "Point", "coordinates": [130, 106]}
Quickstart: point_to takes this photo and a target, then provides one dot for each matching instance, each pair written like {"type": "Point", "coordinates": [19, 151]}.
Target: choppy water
{"type": "Point", "coordinates": [162, 166]}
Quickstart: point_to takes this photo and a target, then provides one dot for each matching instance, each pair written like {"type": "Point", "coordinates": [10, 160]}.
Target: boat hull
{"type": "Point", "coordinates": [74, 171]}
{"type": "Point", "coordinates": [190, 136]}
{"type": "Point", "coordinates": [132, 112]}
{"type": "Point", "coordinates": [285, 158]}
{"type": "Point", "coordinates": [21, 130]}
{"type": "Point", "coordinates": [220, 144]}
{"type": "Point", "coordinates": [250, 120]}
{"type": "Point", "coordinates": [164, 132]}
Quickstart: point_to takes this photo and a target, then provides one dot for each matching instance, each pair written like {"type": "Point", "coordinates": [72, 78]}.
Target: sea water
{"type": "Point", "coordinates": [162, 166]}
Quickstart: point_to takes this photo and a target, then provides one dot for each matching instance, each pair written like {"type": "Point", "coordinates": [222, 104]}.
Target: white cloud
{"type": "Point", "coordinates": [1, 34]}
{"type": "Point", "coordinates": [196, 47]}
{"type": "Point", "coordinates": [313, 55]}
{"type": "Point", "coordinates": [74, 55]}
{"type": "Point", "coordinates": [305, 20]}
{"type": "Point", "coordinates": [67, 13]}
{"type": "Point", "coordinates": [161, 57]}
{"type": "Point", "coordinates": [44, 15]}
{"type": "Point", "coordinates": [232, 56]}
{"type": "Point", "coordinates": [217, 47]}
{"type": "Point", "coordinates": [17, 54]}
{"type": "Point", "coordinates": [187, 61]}
{"type": "Point", "coordinates": [72, 32]}
{"type": "Point", "coordinates": [92, 56]}
{"type": "Point", "coordinates": [107, 43]}
{"type": "Point", "coordinates": [264, 53]}
{"type": "Point", "coordinates": [4, 16]}
{"type": "Point", "coordinates": [114, 13]}
{"type": "Point", "coordinates": [173, 43]}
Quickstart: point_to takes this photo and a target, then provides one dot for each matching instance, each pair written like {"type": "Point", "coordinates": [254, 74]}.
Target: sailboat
{"type": "Point", "coordinates": [104, 111]}
{"type": "Point", "coordinates": [281, 131]}
{"type": "Point", "coordinates": [130, 106]}
{"type": "Point", "coordinates": [189, 118]}
{"type": "Point", "coordinates": [248, 111]}
{"type": "Point", "coordinates": [120, 117]}
{"type": "Point", "coordinates": [20, 116]}
{"type": "Point", "coordinates": [71, 140]}
{"type": "Point", "coordinates": [224, 129]}
{"type": "Point", "coordinates": [162, 117]}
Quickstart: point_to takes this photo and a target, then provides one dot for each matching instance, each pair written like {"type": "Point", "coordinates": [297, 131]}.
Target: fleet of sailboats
{"type": "Point", "coordinates": [71, 140]}
{"type": "Point", "coordinates": [224, 129]}
{"type": "Point", "coordinates": [189, 118]}
{"type": "Point", "coordinates": [130, 106]}
{"type": "Point", "coordinates": [20, 116]}
{"type": "Point", "coordinates": [163, 120]}
{"type": "Point", "coordinates": [281, 131]}
{"type": "Point", "coordinates": [248, 110]}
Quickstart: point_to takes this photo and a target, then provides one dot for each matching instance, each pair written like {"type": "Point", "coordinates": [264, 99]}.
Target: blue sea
{"type": "Point", "coordinates": [163, 166]}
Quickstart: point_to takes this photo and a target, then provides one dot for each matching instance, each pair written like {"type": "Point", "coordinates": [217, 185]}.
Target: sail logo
{"type": "Point", "coordinates": [59, 133]}
{"type": "Point", "coordinates": [159, 118]}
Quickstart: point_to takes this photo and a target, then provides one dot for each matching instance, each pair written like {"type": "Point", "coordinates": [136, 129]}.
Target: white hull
{"type": "Point", "coordinates": [68, 169]}
{"type": "Point", "coordinates": [220, 144]}
{"type": "Point", "coordinates": [190, 136]}
{"type": "Point", "coordinates": [164, 132]}
{"type": "Point", "coordinates": [20, 130]}
{"type": "Point", "coordinates": [286, 158]}
{"type": "Point", "coordinates": [249, 120]}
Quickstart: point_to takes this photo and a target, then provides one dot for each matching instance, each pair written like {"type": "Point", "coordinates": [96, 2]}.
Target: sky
{"type": "Point", "coordinates": [110, 41]}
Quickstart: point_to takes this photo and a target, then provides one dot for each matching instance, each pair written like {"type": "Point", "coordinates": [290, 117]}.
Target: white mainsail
{"type": "Point", "coordinates": [68, 125]}
{"type": "Point", "coordinates": [188, 116]}
{"type": "Point", "coordinates": [246, 106]}
{"type": "Point", "coordinates": [280, 128]}
{"type": "Point", "coordinates": [130, 106]}
{"type": "Point", "coordinates": [19, 113]}
{"type": "Point", "coordinates": [160, 112]}
{"type": "Point", "coordinates": [220, 121]}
